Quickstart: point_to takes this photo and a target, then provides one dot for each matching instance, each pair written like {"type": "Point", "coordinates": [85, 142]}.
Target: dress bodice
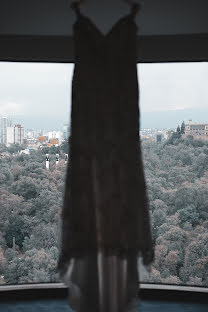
{"type": "Point", "coordinates": [105, 202]}
{"type": "Point", "coordinates": [90, 42]}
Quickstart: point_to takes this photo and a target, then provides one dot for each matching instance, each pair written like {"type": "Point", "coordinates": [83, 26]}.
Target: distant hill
{"type": "Point", "coordinates": [154, 119]}
{"type": "Point", "coordinates": [171, 118]}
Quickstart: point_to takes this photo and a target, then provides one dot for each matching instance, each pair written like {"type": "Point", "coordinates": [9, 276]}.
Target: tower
{"type": "Point", "coordinates": [57, 159]}
{"type": "Point", "coordinates": [3, 130]}
{"type": "Point", "coordinates": [10, 135]}
{"type": "Point", "coordinates": [47, 161]}
{"type": "Point", "coordinates": [18, 134]}
{"type": "Point", "coordinates": [66, 131]}
{"type": "Point", "coordinates": [66, 158]}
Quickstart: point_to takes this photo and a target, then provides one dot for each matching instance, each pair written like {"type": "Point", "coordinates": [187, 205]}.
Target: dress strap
{"type": "Point", "coordinates": [135, 7]}
{"type": "Point", "coordinates": [76, 8]}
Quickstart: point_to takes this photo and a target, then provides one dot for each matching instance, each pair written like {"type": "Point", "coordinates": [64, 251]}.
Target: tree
{"type": "Point", "coordinates": [14, 148]}
{"type": "Point", "coordinates": [46, 205]}
{"type": "Point", "coordinates": [65, 146]}
{"type": "Point", "coordinates": [176, 135]}
{"type": "Point", "coordinates": [43, 236]}
{"type": "Point", "coordinates": [196, 259]}
{"type": "Point", "coordinates": [14, 229]}
{"type": "Point", "coordinates": [3, 148]}
{"type": "Point", "coordinates": [6, 176]}
{"type": "Point", "coordinates": [26, 187]}
{"type": "Point", "coordinates": [188, 214]}
{"type": "Point", "coordinates": [2, 261]}
{"type": "Point", "coordinates": [54, 150]}
{"type": "Point", "coordinates": [35, 266]}
{"type": "Point", "coordinates": [160, 254]}
{"type": "Point", "coordinates": [172, 261]}
{"type": "Point", "coordinates": [183, 127]}
{"type": "Point", "coordinates": [177, 183]}
{"type": "Point", "coordinates": [10, 206]}
{"type": "Point", "coordinates": [158, 218]}
{"type": "Point", "coordinates": [178, 129]}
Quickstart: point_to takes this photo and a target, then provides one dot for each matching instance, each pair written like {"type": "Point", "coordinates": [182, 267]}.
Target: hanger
{"type": "Point", "coordinates": [129, 2]}
{"type": "Point", "coordinates": [71, 2]}
{"type": "Point", "coordinates": [135, 6]}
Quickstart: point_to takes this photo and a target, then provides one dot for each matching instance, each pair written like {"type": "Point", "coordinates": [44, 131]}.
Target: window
{"type": "Point", "coordinates": [176, 169]}
{"type": "Point", "coordinates": [35, 110]}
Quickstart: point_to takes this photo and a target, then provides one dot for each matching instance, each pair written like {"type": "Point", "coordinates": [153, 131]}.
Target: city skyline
{"type": "Point", "coordinates": [39, 95]}
{"type": "Point", "coordinates": [10, 134]}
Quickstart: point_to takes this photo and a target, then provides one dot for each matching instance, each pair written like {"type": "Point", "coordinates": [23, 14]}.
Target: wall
{"type": "Point", "coordinates": [52, 17]}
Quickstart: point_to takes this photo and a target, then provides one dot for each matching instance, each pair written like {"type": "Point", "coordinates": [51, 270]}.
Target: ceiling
{"type": "Point", "coordinates": [52, 17]}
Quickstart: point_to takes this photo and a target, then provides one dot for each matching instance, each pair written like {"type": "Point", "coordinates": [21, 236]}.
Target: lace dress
{"type": "Point", "coordinates": [105, 215]}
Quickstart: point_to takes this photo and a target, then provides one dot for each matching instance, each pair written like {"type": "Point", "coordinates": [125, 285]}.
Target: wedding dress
{"type": "Point", "coordinates": [105, 215]}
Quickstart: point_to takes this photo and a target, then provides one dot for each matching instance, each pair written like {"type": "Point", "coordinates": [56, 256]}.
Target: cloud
{"type": "Point", "coordinates": [11, 108]}
{"type": "Point", "coordinates": [175, 86]}
{"type": "Point", "coordinates": [39, 94]}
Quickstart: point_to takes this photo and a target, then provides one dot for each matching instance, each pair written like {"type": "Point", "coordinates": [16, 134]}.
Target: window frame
{"type": "Point", "coordinates": [59, 49]}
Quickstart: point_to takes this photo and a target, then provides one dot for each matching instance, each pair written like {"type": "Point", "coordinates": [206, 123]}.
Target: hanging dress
{"type": "Point", "coordinates": [105, 214]}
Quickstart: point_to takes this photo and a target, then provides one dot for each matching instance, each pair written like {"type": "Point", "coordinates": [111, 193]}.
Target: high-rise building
{"type": "Point", "coordinates": [10, 135]}
{"type": "Point", "coordinates": [3, 132]}
{"type": "Point", "coordinates": [66, 131]}
{"type": "Point", "coordinates": [159, 138]}
{"type": "Point", "coordinates": [55, 135]}
{"type": "Point", "coordinates": [18, 134]}
{"type": "Point", "coordinates": [9, 122]}
{"type": "Point", "coordinates": [4, 123]}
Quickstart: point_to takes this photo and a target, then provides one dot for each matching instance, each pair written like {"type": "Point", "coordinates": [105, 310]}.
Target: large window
{"type": "Point", "coordinates": [173, 101]}
{"type": "Point", "coordinates": [35, 107]}
{"type": "Point", "coordinates": [35, 110]}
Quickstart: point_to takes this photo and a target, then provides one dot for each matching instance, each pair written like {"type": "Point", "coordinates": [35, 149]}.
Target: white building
{"type": "Point", "coordinates": [10, 135]}
{"type": "Point", "coordinates": [25, 151]}
{"type": "Point", "coordinates": [3, 126]}
{"type": "Point", "coordinates": [30, 134]}
{"type": "Point", "coordinates": [4, 123]}
{"type": "Point", "coordinates": [55, 135]}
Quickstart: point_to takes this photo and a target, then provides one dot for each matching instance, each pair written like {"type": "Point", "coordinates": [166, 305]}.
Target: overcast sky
{"type": "Point", "coordinates": [39, 94]}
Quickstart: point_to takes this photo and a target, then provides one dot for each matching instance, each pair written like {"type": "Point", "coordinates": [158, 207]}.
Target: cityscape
{"type": "Point", "coordinates": [33, 139]}
{"type": "Point", "coordinates": [32, 184]}
{"type": "Point", "coordinates": [35, 106]}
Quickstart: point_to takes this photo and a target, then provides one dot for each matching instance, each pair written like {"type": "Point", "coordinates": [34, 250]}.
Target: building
{"type": "Point", "coordinates": [25, 151]}
{"type": "Point", "coordinates": [197, 130]}
{"type": "Point", "coordinates": [55, 135]}
{"type": "Point", "coordinates": [10, 135]}
{"type": "Point", "coordinates": [159, 138]}
{"type": "Point", "coordinates": [3, 126]}
{"type": "Point", "coordinates": [42, 139]}
{"type": "Point", "coordinates": [18, 134]}
{"type": "Point", "coordinates": [4, 123]}
{"type": "Point", "coordinates": [66, 131]}
{"type": "Point", "coordinates": [53, 142]}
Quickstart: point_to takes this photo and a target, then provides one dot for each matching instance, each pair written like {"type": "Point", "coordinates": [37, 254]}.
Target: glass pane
{"type": "Point", "coordinates": [35, 110]}
{"type": "Point", "coordinates": [35, 106]}
{"type": "Point", "coordinates": [174, 132]}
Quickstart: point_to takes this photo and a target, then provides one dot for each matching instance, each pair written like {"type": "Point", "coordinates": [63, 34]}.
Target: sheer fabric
{"type": "Point", "coordinates": [105, 215]}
